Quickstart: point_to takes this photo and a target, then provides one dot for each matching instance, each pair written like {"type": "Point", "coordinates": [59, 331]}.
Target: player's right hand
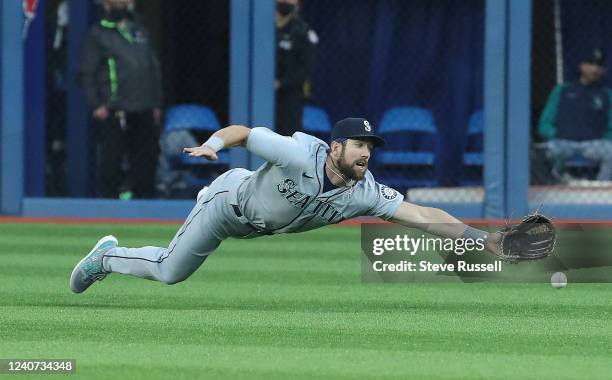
{"type": "Point", "coordinates": [202, 151]}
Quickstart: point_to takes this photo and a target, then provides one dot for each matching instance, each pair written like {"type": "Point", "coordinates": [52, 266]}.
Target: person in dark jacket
{"type": "Point", "coordinates": [121, 78]}
{"type": "Point", "coordinates": [577, 121]}
{"type": "Point", "coordinates": [295, 60]}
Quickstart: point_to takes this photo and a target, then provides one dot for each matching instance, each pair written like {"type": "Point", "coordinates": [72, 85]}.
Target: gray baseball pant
{"type": "Point", "coordinates": [212, 220]}
{"type": "Point", "coordinates": [597, 150]}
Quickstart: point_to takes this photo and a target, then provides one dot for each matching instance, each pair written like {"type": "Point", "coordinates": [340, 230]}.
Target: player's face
{"type": "Point", "coordinates": [354, 157]}
{"type": "Point", "coordinates": [117, 3]}
{"type": "Point", "coordinates": [591, 73]}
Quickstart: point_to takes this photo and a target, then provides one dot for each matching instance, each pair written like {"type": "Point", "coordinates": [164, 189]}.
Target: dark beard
{"type": "Point", "coordinates": [346, 170]}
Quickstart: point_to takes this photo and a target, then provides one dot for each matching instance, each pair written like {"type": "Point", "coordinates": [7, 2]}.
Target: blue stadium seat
{"type": "Point", "coordinates": [315, 122]}
{"type": "Point", "coordinates": [581, 162]}
{"type": "Point", "coordinates": [581, 167]}
{"type": "Point", "coordinates": [191, 116]}
{"type": "Point", "coordinates": [411, 135]}
{"type": "Point", "coordinates": [199, 119]}
{"type": "Point", "coordinates": [473, 157]}
{"type": "Point", "coordinates": [473, 152]}
{"type": "Point", "coordinates": [202, 122]}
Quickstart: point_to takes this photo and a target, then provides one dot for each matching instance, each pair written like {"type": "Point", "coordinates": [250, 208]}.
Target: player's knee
{"type": "Point", "coordinates": [173, 281]}
{"type": "Point", "coordinates": [173, 278]}
{"type": "Point", "coordinates": [604, 151]}
{"type": "Point", "coordinates": [173, 274]}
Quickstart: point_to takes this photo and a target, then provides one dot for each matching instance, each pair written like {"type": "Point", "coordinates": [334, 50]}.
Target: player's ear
{"type": "Point", "coordinates": [335, 150]}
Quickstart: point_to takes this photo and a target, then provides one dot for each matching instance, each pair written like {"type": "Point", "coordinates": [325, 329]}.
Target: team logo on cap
{"type": "Point", "coordinates": [597, 54]}
{"type": "Point", "coordinates": [368, 128]}
{"type": "Point", "coordinates": [388, 193]}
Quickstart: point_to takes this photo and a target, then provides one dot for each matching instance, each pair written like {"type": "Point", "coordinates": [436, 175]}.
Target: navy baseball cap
{"type": "Point", "coordinates": [356, 128]}
{"type": "Point", "coordinates": [596, 57]}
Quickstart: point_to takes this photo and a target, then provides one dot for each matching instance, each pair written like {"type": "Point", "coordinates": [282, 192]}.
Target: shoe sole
{"type": "Point", "coordinates": [98, 244]}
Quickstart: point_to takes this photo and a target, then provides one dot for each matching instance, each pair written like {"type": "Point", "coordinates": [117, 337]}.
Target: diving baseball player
{"type": "Point", "coordinates": [304, 184]}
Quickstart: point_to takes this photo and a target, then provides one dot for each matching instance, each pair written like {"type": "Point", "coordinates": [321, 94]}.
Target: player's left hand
{"type": "Point", "coordinates": [492, 244]}
{"type": "Point", "coordinates": [532, 239]}
{"type": "Point", "coordinates": [202, 151]}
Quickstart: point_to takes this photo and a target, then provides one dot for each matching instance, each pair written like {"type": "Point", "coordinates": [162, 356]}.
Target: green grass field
{"type": "Point", "coordinates": [288, 306]}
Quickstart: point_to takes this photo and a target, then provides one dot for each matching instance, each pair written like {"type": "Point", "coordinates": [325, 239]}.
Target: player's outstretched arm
{"type": "Point", "coordinates": [441, 223]}
{"type": "Point", "coordinates": [233, 135]}
{"type": "Point", "coordinates": [272, 147]}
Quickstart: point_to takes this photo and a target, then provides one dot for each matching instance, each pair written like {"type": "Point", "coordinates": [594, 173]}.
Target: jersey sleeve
{"type": "Point", "coordinates": [547, 125]}
{"type": "Point", "coordinates": [386, 201]}
{"type": "Point", "coordinates": [277, 149]}
{"type": "Point", "coordinates": [92, 54]}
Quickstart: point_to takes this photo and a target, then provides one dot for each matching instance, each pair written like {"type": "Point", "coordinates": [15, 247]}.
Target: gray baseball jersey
{"type": "Point", "coordinates": [284, 195]}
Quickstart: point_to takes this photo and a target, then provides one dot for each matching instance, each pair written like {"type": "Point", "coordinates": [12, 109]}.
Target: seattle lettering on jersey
{"type": "Point", "coordinates": [300, 200]}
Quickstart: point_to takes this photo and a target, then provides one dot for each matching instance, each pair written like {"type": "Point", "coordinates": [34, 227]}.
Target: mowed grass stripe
{"type": "Point", "coordinates": [288, 306]}
{"type": "Point", "coordinates": [337, 243]}
{"type": "Point", "coordinates": [254, 276]}
{"type": "Point", "coordinates": [132, 293]}
{"type": "Point", "coordinates": [521, 297]}
{"type": "Point", "coordinates": [415, 322]}
{"type": "Point", "coordinates": [308, 337]}
{"type": "Point", "coordinates": [10, 231]}
{"type": "Point", "coordinates": [294, 262]}
{"type": "Point", "coordinates": [264, 360]}
{"type": "Point", "coordinates": [135, 294]}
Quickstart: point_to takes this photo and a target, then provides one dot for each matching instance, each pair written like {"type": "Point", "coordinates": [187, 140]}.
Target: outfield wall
{"type": "Point", "coordinates": [251, 101]}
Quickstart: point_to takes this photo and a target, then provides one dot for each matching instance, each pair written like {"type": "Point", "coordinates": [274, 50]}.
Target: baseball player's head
{"type": "Point", "coordinates": [117, 9]}
{"type": "Point", "coordinates": [352, 142]}
{"type": "Point", "coordinates": [592, 66]}
{"type": "Point", "coordinates": [286, 7]}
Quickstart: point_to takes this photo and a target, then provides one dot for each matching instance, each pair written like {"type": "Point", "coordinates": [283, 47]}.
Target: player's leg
{"type": "Point", "coordinates": [562, 150]}
{"type": "Point", "coordinates": [143, 152]}
{"type": "Point", "coordinates": [600, 151]}
{"type": "Point", "coordinates": [110, 139]}
{"type": "Point", "coordinates": [212, 220]}
{"type": "Point", "coordinates": [190, 247]}
{"type": "Point", "coordinates": [187, 251]}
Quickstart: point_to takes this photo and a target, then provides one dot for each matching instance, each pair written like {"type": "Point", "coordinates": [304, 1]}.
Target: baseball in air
{"type": "Point", "coordinates": [558, 280]}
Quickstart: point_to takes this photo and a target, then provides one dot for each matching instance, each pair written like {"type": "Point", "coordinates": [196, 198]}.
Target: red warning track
{"type": "Point", "coordinates": [352, 222]}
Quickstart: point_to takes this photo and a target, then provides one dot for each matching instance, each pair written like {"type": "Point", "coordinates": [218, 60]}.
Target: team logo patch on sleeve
{"type": "Point", "coordinates": [387, 192]}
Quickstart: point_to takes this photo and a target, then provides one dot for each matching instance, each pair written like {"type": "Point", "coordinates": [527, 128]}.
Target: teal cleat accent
{"type": "Point", "coordinates": [90, 269]}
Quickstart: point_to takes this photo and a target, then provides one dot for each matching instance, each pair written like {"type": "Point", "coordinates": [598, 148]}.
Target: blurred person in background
{"type": "Point", "coordinates": [55, 99]}
{"type": "Point", "coordinates": [296, 49]}
{"type": "Point", "coordinates": [121, 77]}
{"type": "Point", "coordinates": [576, 121]}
